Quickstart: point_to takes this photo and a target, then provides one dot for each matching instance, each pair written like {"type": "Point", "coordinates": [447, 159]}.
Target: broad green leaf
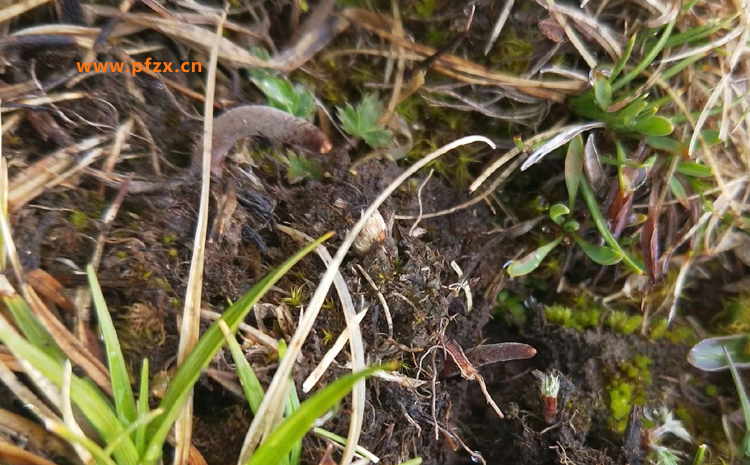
{"type": "Point", "coordinates": [276, 446]}
{"type": "Point", "coordinates": [84, 394]}
{"type": "Point", "coordinates": [654, 126]}
{"type": "Point", "coordinates": [708, 355]}
{"type": "Point", "coordinates": [599, 254]}
{"type": "Point", "coordinates": [531, 261]}
{"type": "Point", "coordinates": [601, 224]}
{"type": "Point", "coordinates": [364, 122]}
{"type": "Point", "coordinates": [711, 136]}
{"type": "Point", "coordinates": [118, 372]}
{"type": "Point", "coordinates": [667, 144]}
{"type": "Point", "coordinates": [208, 345]}
{"type": "Point", "coordinates": [573, 169]}
{"type": "Point", "coordinates": [283, 95]}
{"type": "Point", "coordinates": [557, 213]}
{"type": "Point", "coordinates": [696, 170]}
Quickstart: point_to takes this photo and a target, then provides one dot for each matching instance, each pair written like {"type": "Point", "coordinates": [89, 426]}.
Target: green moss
{"type": "Point", "coordinates": [169, 239]}
{"type": "Point", "coordinates": [559, 315]}
{"type": "Point", "coordinates": [712, 390]}
{"type": "Point", "coordinates": [513, 53]}
{"type": "Point", "coordinates": [621, 322]}
{"type": "Point", "coordinates": [80, 220]}
{"type": "Point", "coordinates": [122, 254]}
{"type": "Point", "coordinates": [627, 387]}
{"type": "Point", "coordinates": [681, 335]}
{"type": "Point", "coordinates": [658, 329]}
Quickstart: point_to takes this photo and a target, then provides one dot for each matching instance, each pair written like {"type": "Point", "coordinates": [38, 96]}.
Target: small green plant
{"type": "Point", "coordinates": [294, 99]}
{"type": "Point", "coordinates": [559, 214]}
{"type": "Point", "coordinates": [627, 387]}
{"type": "Point", "coordinates": [621, 322]}
{"type": "Point", "coordinates": [297, 296]}
{"type": "Point", "coordinates": [299, 167]}
{"type": "Point", "coordinates": [667, 425]}
{"type": "Point", "coordinates": [364, 121]}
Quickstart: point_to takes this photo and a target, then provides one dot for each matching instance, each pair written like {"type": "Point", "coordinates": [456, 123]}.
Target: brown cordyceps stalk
{"type": "Point", "coordinates": [549, 385]}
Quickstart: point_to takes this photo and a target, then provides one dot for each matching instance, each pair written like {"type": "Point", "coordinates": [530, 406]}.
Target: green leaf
{"type": "Point", "coordinates": [599, 254]}
{"type": "Point", "coordinates": [708, 354]}
{"type": "Point", "coordinates": [654, 126]}
{"type": "Point", "coordinates": [31, 327]}
{"type": "Point", "coordinates": [647, 60]}
{"type": "Point", "coordinates": [300, 167]}
{"type": "Point", "coordinates": [118, 372]}
{"type": "Point", "coordinates": [667, 144]}
{"type": "Point", "coordinates": [602, 92]}
{"type": "Point", "coordinates": [364, 122]}
{"type": "Point", "coordinates": [571, 225]}
{"type": "Point", "coordinates": [678, 190]}
{"type": "Point", "coordinates": [573, 169]}
{"type": "Point", "coordinates": [601, 225]}
{"type": "Point", "coordinates": [276, 446]}
{"type": "Point", "coordinates": [557, 213]}
{"type": "Point", "coordinates": [281, 94]}
{"type": "Point", "coordinates": [623, 60]}
{"type": "Point", "coordinates": [208, 345]}
{"type": "Point", "coordinates": [254, 392]}
{"type": "Point", "coordinates": [531, 261]}
{"type": "Point", "coordinates": [84, 394]}
{"type": "Point", "coordinates": [696, 170]}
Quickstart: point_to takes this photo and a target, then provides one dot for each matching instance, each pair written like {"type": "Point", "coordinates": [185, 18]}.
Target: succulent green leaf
{"type": "Point", "coordinates": [531, 261]}
{"type": "Point", "coordinates": [708, 354]}
{"type": "Point", "coordinates": [557, 213]}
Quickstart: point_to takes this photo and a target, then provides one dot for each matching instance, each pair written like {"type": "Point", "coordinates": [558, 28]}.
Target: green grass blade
{"type": "Point", "coordinates": [92, 447]}
{"type": "Point", "coordinates": [744, 402]}
{"type": "Point", "coordinates": [624, 60]}
{"type": "Point", "coordinates": [601, 224]}
{"type": "Point", "coordinates": [647, 60]}
{"type": "Point", "coordinates": [280, 442]}
{"type": "Point", "coordinates": [32, 328]}
{"type": "Point", "coordinates": [292, 405]}
{"type": "Point", "coordinates": [139, 423]}
{"type": "Point", "coordinates": [140, 433]}
{"type": "Point", "coordinates": [86, 396]}
{"type": "Point", "coordinates": [698, 33]}
{"type": "Point", "coordinates": [361, 451]}
{"type": "Point", "coordinates": [209, 344]}
{"type": "Point", "coordinates": [254, 392]}
{"type": "Point", "coordinates": [118, 372]}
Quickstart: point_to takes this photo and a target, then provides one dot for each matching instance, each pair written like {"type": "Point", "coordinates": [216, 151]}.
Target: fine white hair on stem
{"type": "Point", "coordinates": [274, 398]}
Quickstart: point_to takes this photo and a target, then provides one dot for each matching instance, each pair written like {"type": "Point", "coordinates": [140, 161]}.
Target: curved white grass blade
{"type": "Point", "coordinates": [560, 140]}
{"type": "Point", "coordinates": [191, 318]}
{"type": "Point", "coordinates": [356, 345]}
